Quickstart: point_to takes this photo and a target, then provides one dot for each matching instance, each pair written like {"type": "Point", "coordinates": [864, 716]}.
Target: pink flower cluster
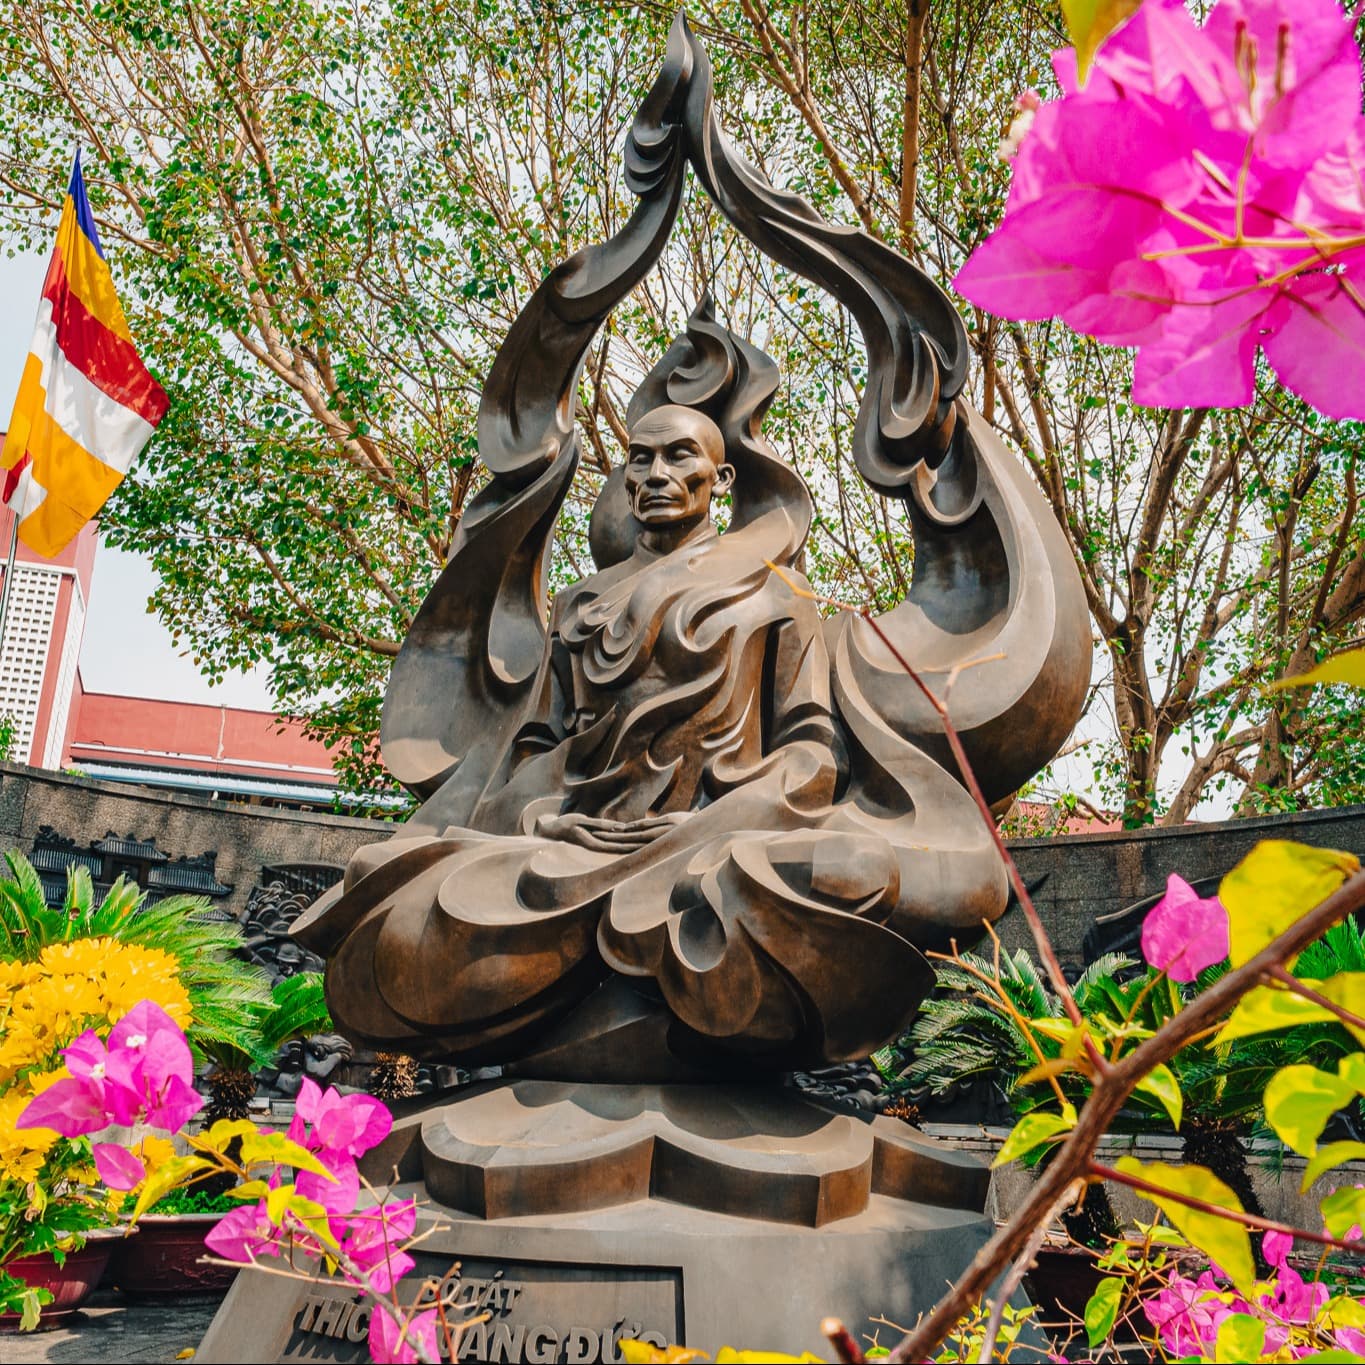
{"type": "Point", "coordinates": [1201, 195]}
{"type": "Point", "coordinates": [1188, 1313]}
{"type": "Point", "coordinates": [144, 1075]}
{"type": "Point", "coordinates": [338, 1129]}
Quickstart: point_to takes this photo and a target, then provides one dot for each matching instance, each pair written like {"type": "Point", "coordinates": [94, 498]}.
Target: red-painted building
{"type": "Point", "coordinates": [214, 750]}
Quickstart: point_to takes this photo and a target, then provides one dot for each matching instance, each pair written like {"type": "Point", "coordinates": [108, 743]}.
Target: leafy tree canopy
{"type": "Point", "coordinates": [323, 217]}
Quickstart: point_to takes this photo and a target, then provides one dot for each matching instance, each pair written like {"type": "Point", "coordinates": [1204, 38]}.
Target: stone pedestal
{"type": "Point", "coordinates": [704, 1214]}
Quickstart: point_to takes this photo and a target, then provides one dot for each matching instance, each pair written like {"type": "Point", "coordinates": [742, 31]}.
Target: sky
{"type": "Point", "coordinates": [126, 649]}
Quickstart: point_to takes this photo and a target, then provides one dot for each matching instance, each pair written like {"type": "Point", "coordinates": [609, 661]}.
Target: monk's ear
{"type": "Point", "coordinates": [725, 476]}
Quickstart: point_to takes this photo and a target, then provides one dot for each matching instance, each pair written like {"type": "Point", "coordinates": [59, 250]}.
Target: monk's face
{"type": "Point", "coordinates": [676, 466]}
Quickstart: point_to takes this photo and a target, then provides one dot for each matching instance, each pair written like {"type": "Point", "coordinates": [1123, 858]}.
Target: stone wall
{"type": "Point", "coordinates": [1089, 875]}
{"type": "Point", "coordinates": [246, 839]}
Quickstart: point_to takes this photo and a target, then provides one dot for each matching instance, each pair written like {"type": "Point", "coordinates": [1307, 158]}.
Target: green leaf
{"type": "Point", "coordinates": [1090, 22]}
{"type": "Point", "coordinates": [1327, 1157]}
{"type": "Point", "coordinates": [1342, 1210]}
{"type": "Point", "coordinates": [1162, 1085]}
{"type": "Point", "coordinates": [1347, 667]}
{"type": "Point", "coordinates": [1298, 1102]}
{"type": "Point", "coordinates": [1032, 1131]}
{"type": "Point", "coordinates": [1218, 1238]}
{"type": "Point", "coordinates": [1267, 1009]}
{"type": "Point", "coordinates": [1275, 885]}
{"type": "Point", "coordinates": [1102, 1311]}
{"type": "Point", "coordinates": [1240, 1337]}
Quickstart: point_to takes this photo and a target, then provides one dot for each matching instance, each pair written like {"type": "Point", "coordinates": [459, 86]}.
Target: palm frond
{"type": "Point", "coordinates": [299, 1009]}
{"type": "Point", "coordinates": [80, 892]}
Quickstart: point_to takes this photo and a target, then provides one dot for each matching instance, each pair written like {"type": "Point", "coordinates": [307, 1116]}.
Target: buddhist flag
{"type": "Point", "coordinates": [86, 403]}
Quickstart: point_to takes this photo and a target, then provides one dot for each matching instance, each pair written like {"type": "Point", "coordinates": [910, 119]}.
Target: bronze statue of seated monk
{"type": "Point", "coordinates": [687, 825]}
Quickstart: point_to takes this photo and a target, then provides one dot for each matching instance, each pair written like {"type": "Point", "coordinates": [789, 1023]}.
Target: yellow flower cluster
{"type": "Point", "coordinates": [44, 1005]}
{"type": "Point", "coordinates": [87, 983]}
{"type": "Point", "coordinates": [23, 1150]}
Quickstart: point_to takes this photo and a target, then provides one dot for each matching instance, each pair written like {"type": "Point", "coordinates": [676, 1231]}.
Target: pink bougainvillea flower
{"type": "Point", "coordinates": [144, 1074]}
{"type": "Point", "coordinates": [1199, 198]}
{"type": "Point", "coordinates": [1186, 1315]}
{"type": "Point", "coordinates": [1275, 1247]}
{"type": "Point", "coordinates": [72, 1107]}
{"type": "Point", "coordinates": [118, 1167]}
{"type": "Point", "coordinates": [374, 1240]}
{"type": "Point", "coordinates": [1351, 1339]}
{"type": "Point", "coordinates": [1184, 932]}
{"type": "Point", "coordinates": [244, 1235]}
{"type": "Point", "coordinates": [149, 1075]}
{"type": "Point", "coordinates": [330, 1122]}
{"type": "Point", "coordinates": [338, 1195]}
{"type": "Point", "coordinates": [385, 1348]}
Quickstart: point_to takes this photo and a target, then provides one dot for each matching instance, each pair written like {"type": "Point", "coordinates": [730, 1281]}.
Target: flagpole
{"type": "Point", "coordinates": [9, 578]}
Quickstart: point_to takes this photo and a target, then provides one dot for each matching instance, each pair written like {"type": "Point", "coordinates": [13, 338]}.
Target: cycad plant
{"type": "Point", "coordinates": [982, 1023]}
{"type": "Point", "coordinates": [229, 998]}
{"type": "Point", "coordinates": [971, 1029]}
{"type": "Point", "coordinates": [295, 1008]}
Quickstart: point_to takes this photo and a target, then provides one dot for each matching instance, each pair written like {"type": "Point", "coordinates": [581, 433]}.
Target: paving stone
{"type": "Point", "coordinates": [111, 1329]}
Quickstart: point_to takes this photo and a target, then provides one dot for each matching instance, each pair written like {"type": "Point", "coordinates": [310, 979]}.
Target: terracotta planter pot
{"type": "Point", "coordinates": [71, 1283]}
{"type": "Point", "coordinates": [163, 1259]}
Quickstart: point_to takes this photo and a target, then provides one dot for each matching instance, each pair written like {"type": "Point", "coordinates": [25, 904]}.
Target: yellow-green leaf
{"type": "Point", "coordinates": [1298, 1102]}
{"type": "Point", "coordinates": [1343, 1311]}
{"type": "Point", "coordinates": [1347, 667]}
{"type": "Point", "coordinates": [729, 1356]}
{"type": "Point", "coordinates": [282, 1202]}
{"type": "Point", "coordinates": [1351, 1069]}
{"type": "Point", "coordinates": [1218, 1238]}
{"type": "Point", "coordinates": [169, 1175]}
{"type": "Point", "coordinates": [1240, 1337]}
{"type": "Point", "coordinates": [1054, 1066]}
{"type": "Point", "coordinates": [1268, 1008]}
{"type": "Point", "coordinates": [1276, 884]}
{"type": "Point", "coordinates": [1342, 1210]}
{"type": "Point", "coordinates": [219, 1134]}
{"type": "Point", "coordinates": [249, 1189]}
{"type": "Point", "coordinates": [1102, 1311]}
{"type": "Point", "coordinates": [1160, 1083]}
{"type": "Point", "coordinates": [1327, 1157]}
{"type": "Point", "coordinates": [1032, 1131]}
{"type": "Point", "coordinates": [645, 1353]}
{"type": "Point", "coordinates": [278, 1150]}
{"type": "Point", "coordinates": [1090, 22]}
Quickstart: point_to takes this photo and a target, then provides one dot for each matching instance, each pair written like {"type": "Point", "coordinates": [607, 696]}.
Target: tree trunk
{"type": "Point", "coordinates": [916, 17]}
{"type": "Point", "coordinates": [1216, 1144]}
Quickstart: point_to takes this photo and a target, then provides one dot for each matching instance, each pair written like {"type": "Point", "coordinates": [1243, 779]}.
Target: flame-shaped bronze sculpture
{"type": "Point", "coordinates": [686, 827]}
